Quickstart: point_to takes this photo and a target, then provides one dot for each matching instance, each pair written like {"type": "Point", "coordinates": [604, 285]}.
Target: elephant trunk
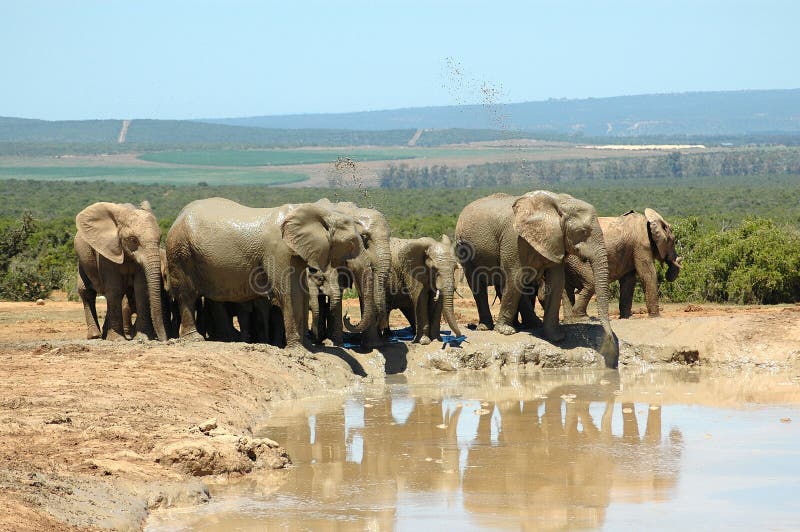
{"type": "Point", "coordinates": [368, 297]}
{"type": "Point", "coordinates": [152, 272]}
{"type": "Point", "coordinates": [447, 307]}
{"type": "Point", "coordinates": [383, 268]}
{"type": "Point", "coordinates": [673, 268]}
{"type": "Point", "coordinates": [599, 261]}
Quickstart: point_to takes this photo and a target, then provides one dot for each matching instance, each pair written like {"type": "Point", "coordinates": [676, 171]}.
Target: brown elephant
{"type": "Point", "coordinates": [422, 283]}
{"type": "Point", "coordinates": [225, 251]}
{"type": "Point", "coordinates": [118, 254]}
{"type": "Point", "coordinates": [513, 240]}
{"type": "Point", "coordinates": [634, 242]}
{"type": "Point", "coordinates": [373, 264]}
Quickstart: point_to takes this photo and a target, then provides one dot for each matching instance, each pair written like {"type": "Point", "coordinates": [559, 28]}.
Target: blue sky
{"type": "Point", "coordinates": [162, 59]}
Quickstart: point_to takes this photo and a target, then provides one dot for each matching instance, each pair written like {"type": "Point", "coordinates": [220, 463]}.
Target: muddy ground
{"type": "Point", "coordinates": [96, 434]}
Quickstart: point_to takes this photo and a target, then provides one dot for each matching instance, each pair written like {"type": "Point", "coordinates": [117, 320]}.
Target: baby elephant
{"type": "Point", "coordinates": [422, 283]}
{"type": "Point", "coordinates": [118, 255]}
{"type": "Point", "coordinates": [634, 242]}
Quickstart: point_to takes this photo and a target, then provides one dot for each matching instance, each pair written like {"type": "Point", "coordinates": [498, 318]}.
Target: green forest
{"type": "Point", "coordinates": [739, 235]}
{"type": "Point", "coordinates": [737, 162]}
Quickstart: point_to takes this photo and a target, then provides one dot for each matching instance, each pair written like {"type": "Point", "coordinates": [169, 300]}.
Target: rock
{"type": "Point", "coordinates": [40, 301]}
{"type": "Point", "coordinates": [58, 419]}
{"type": "Point", "coordinates": [208, 425]}
{"type": "Point", "coordinates": [203, 455]}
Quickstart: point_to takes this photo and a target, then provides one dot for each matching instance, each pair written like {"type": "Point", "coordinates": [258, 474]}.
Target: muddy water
{"type": "Point", "coordinates": [547, 450]}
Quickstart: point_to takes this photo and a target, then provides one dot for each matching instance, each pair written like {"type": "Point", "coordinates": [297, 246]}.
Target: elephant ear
{"type": "Point", "coordinates": [97, 224]}
{"type": "Point", "coordinates": [537, 218]}
{"type": "Point", "coordinates": [306, 230]}
{"type": "Point", "coordinates": [657, 228]}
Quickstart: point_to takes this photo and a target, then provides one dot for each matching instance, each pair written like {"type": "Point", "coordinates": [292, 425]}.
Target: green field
{"type": "Point", "coordinates": [271, 157]}
{"type": "Point", "coordinates": [308, 156]}
{"type": "Point", "coordinates": [151, 175]}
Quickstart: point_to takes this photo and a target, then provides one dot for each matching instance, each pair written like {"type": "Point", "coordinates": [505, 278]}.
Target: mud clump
{"type": "Point", "coordinates": [222, 453]}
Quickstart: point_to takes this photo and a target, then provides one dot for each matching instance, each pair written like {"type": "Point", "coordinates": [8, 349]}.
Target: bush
{"type": "Point", "coordinates": [24, 282]}
{"type": "Point", "coordinates": [755, 262]}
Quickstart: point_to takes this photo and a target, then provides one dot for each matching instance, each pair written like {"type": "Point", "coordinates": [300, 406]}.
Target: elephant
{"type": "Point", "coordinates": [325, 300]}
{"type": "Point", "coordinates": [514, 240]}
{"type": "Point", "coordinates": [118, 254]}
{"type": "Point", "coordinates": [422, 283]}
{"type": "Point", "coordinates": [376, 257]}
{"type": "Point", "coordinates": [634, 242]}
{"type": "Point", "coordinates": [225, 251]}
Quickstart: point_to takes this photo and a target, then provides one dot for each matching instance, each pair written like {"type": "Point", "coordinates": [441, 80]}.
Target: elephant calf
{"type": "Point", "coordinates": [118, 255]}
{"type": "Point", "coordinates": [634, 242]}
{"type": "Point", "coordinates": [421, 285]}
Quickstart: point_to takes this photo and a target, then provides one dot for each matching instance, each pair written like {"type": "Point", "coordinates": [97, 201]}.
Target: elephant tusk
{"type": "Point", "coordinates": [436, 296]}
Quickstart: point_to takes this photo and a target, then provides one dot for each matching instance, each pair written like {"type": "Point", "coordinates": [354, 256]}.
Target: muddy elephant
{"type": "Point", "coordinates": [118, 254]}
{"type": "Point", "coordinates": [225, 251]}
{"type": "Point", "coordinates": [422, 283]}
{"type": "Point", "coordinates": [325, 301]}
{"type": "Point", "coordinates": [634, 242]}
{"type": "Point", "coordinates": [513, 240]}
{"type": "Point", "coordinates": [371, 266]}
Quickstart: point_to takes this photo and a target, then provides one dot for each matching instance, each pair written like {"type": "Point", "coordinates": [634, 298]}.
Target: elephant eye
{"type": "Point", "coordinates": [132, 242]}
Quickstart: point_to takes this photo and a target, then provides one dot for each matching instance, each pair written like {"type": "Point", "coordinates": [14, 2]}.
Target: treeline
{"type": "Point", "coordinates": [744, 162]}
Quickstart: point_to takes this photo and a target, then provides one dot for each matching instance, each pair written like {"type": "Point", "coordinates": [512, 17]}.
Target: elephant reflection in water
{"type": "Point", "coordinates": [523, 464]}
{"type": "Point", "coordinates": [557, 470]}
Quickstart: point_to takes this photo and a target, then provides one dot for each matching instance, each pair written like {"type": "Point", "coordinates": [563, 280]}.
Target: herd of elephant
{"type": "Point", "coordinates": [270, 267]}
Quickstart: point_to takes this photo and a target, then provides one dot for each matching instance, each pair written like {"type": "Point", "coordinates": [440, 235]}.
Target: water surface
{"type": "Point", "coordinates": [547, 450]}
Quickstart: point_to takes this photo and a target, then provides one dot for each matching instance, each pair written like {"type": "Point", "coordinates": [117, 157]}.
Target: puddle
{"type": "Point", "coordinates": [546, 450]}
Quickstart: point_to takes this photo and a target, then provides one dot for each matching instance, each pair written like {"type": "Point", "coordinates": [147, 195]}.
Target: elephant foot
{"type": "Point", "coordinates": [532, 324]}
{"type": "Point", "coordinates": [192, 336]}
{"type": "Point", "coordinates": [554, 333]}
{"type": "Point", "coordinates": [424, 340]}
{"type": "Point", "coordinates": [93, 335]}
{"type": "Point", "coordinates": [114, 336]}
{"type": "Point", "coordinates": [655, 314]}
{"type": "Point", "coordinates": [483, 327]}
{"type": "Point", "coordinates": [504, 329]}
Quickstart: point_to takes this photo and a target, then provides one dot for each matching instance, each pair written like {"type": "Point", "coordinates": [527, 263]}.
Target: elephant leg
{"type": "Point", "coordinates": [261, 320]}
{"type": "Point", "coordinates": [646, 269]}
{"type": "Point", "coordinates": [127, 317]}
{"type": "Point", "coordinates": [554, 286]}
{"type": "Point", "coordinates": [89, 299]}
{"type": "Point", "coordinates": [244, 313]}
{"type": "Point", "coordinates": [408, 312]}
{"type": "Point", "coordinates": [113, 326]}
{"type": "Point", "coordinates": [509, 303]}
{"type": "Point", "coordinates": [421, 318]}
{"type": "Point", "coordinates": [277, 333]}
{"type": "Point", "coordinates": [291, 296]}
{"type": "Point", "coordinates": [581, 301]}
{"type": "Point", "coordinates": [478, 285]}
{"type": "Point", "coordinates": [626, 286]}
{"type": "Point", "coordinates": [529, 319]}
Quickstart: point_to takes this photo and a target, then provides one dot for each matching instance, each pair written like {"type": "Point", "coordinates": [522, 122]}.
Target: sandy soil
{"type": "Point", "coordinates": [95, 434]}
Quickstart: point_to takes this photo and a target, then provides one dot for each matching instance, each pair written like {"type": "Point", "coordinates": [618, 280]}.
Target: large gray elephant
{"type": "Point", "coordinates": [422, 283]}
{"type": "Point", "coordinates": [634, 242]}
{"type": "Point", "coordinates": [225, 251]}
{"type": "Point", "coordinates": [513, 240]}
{"type": "Point", "coordinates": [118, 254]}
{"type": "Point", "coordinates": [371, 266]}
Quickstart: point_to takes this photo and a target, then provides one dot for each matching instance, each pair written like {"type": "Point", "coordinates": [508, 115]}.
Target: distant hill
{"type": "Point", "coordinates": [692, 113]}
{"type": "Point", "coordinates": [179, 132]}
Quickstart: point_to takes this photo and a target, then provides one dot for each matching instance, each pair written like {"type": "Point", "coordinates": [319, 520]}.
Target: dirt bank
{"type": "Point", "coordinates": [94, 434]}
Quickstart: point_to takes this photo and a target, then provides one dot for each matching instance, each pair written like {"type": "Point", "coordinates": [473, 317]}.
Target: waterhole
{"type": "Point", "coordinates": [547, 450]}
